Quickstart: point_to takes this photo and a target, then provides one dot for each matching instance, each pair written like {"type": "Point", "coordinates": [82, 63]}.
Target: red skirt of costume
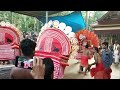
{"type": "Point", "coordinates": [100, 72]}
{"type": "Point", "coordinates": [107, 73]}
{"type": "Point", "coordinates": [84, 61]}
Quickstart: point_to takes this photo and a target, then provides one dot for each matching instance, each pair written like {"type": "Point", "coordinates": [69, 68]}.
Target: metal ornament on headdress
{"type": "Point", "coordinates": [74, 41]}
{"type": "Point", "coordinates": [50, 23]}
{"type": "Point", "coordinates": [55, 24]}
{"type": "Point", "coordinates": [45, 26]}
{"type": "Point", "coordinates": [2, 23]}
{"type": "Point", "coordinates": [67, 30]}
{"type": "Point", "coordinates": [71, 34]}
{"type": "Point", "coordinates": [62, 26]}
{"type": "Point", "coordinates": [81, 37]}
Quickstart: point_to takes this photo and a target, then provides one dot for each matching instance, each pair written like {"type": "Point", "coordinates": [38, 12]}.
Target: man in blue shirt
{"type": "Point", "coordinates": [107, 59]}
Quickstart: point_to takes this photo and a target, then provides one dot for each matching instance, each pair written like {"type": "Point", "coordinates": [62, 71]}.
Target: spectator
{"type": "Point", "coordinates": [39, 66]}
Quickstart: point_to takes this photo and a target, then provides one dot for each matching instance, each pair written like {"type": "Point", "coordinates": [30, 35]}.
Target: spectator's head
{"type": "Point", "coordinates": [27, 36]}
{"type": "Point", "coordinates": [49, 68]}
{"type": "Point", "coordinates": [118, 48]}
{"type": "Point", "coordinates": [105, 45]}
{"type": "Point", "coordinates": [116, 42]}
{"type": "Point", "coordinates": [28, 47]}
{"type": "Point", "coordinates": [96, 50]}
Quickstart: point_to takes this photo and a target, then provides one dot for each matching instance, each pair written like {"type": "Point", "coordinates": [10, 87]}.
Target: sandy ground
{"type": "Point", "coordinates": [71, 72]}
{"type": "Point", "coordinates": [5, 71]}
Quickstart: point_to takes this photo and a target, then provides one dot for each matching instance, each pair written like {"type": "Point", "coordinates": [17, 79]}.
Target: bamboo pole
{"type": "Point", "coordinates": [46, 16]}
{"type": "Point", "coordinates": [86, 19]}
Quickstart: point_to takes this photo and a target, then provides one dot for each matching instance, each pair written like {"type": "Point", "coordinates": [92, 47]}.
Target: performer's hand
{"type": "Point", "coordinates": [38, 70]}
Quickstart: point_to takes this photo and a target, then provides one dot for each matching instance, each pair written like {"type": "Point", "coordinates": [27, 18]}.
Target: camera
{"type": "Point", "coordinates": [24, 62]}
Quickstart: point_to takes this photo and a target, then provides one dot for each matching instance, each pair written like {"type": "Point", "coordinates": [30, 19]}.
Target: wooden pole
{"type": "Point", "coordinates": [46, 16]}
{"type": "Point", "coordinates": [86, 19]}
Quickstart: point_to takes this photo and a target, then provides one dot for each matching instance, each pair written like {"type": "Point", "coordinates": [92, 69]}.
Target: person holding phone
{"type": "Point", "coordinates": [41, 68]}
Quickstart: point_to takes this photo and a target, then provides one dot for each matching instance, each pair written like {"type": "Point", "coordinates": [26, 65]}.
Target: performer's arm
{"type": "Point", "coordinates": [89, 54]}
{"type": "Point", "coordinates": [93, 63]}
{"type": "Point", "coordinates": [95, 58]}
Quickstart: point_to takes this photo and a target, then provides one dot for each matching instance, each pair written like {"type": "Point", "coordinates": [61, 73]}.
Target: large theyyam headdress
{"type": "Point", "coordinates": [54, 42]}
{"type": "Point", "coordinates": [9, 41]}
{"type": "Point", "coordinates": [7, 29]}
{"type": "Point", "coordinates": [89, 37]}
{"type": "Point", "coordinates": [55, 37]}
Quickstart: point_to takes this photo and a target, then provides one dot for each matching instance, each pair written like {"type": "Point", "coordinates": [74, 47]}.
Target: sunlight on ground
{"type": "Point", "coordinates": [71, 72]}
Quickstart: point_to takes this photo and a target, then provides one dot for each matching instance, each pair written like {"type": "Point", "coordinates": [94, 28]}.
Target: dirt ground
{"type": "Point", "coordinates": [71, 72]}
{"type": "Point", "coordinates": [5, 71]}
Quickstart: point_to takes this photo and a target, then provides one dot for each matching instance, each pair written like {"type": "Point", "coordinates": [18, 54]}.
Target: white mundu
{"type": "Point", "coordinates": [116, 56]}
{"type": "Point", "coordinates": [115, 47]}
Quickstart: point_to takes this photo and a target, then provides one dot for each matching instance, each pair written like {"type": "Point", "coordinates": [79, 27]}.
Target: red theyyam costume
{"type": "Point", "coordinates": [53, 42]}
{"type": "Point", "coordinates": [84, 61]}
{"type": "Point", "coordinates": [99, 72]}
{"type": "Point", "coordinates": [9, 41]}
{"type": "Point", "coordinates": [86, 37]}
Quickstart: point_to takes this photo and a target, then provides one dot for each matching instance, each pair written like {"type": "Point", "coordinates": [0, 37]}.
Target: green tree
{"type": "Point", "coordinates": [23, 22]}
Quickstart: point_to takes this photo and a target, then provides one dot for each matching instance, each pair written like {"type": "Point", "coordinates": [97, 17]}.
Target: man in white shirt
{"type": "Point", "coordinates": [116, 55]}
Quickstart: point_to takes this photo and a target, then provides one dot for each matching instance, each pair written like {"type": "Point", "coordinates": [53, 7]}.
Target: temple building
{"type": "Point", "coordinates": [108, 27]}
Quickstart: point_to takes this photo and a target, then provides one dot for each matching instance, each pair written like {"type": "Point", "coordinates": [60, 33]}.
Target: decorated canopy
{"type": "Point", "coordinates": [75, 20]}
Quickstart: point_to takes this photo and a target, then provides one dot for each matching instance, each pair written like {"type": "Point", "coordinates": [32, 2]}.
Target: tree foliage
{"type": "Point", "coordinates": [23, 22]}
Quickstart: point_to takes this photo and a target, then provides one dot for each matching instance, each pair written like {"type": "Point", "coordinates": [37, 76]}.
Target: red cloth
{"type": "Point", "coordinates": [98, 72]}
{"type": "Point", "coordinates": [55, 57]}
{"type": "Point", "coordinates": [84, 61]}
{"type": "Point", "coordinates": [107, 73]}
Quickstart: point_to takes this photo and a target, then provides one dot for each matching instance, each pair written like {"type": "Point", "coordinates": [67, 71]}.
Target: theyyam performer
{"type": "Point", "coordinates": [87, 40]}
{"type": "Point", "coordinates": [54, 41]}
